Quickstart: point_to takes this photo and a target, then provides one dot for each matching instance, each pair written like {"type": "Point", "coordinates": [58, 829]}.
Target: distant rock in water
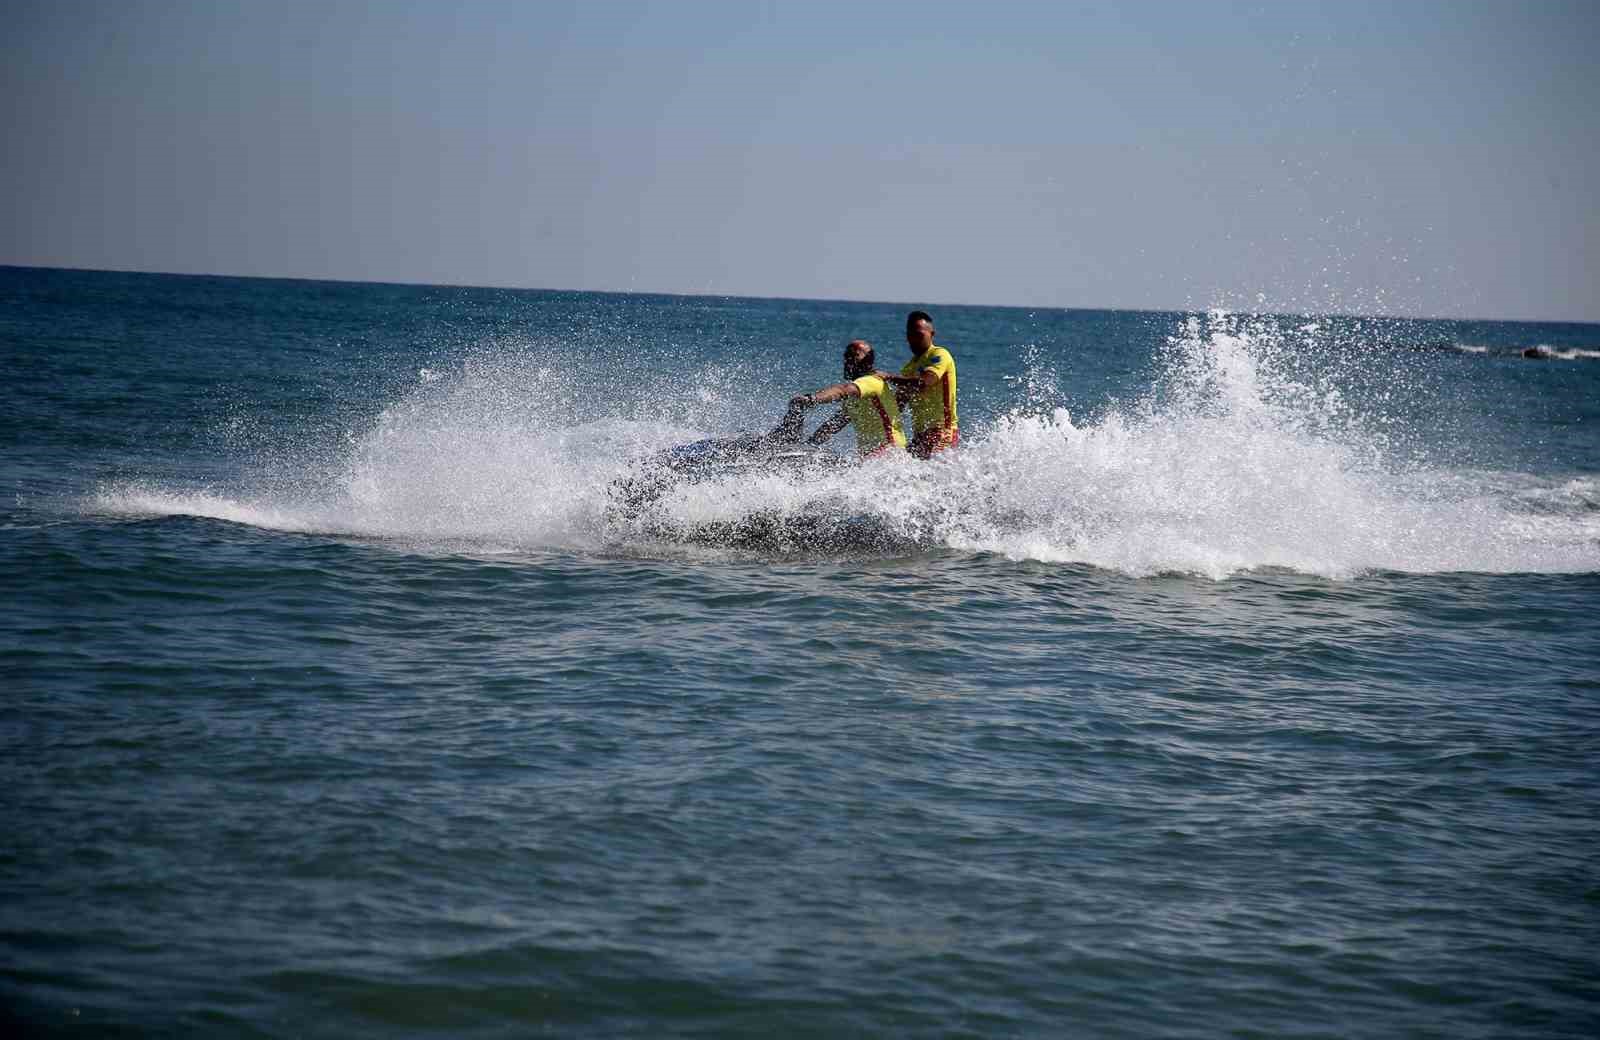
{"type": "Point", "coordinates": [1542, 353]}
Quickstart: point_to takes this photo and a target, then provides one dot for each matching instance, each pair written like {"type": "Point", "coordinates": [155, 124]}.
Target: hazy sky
{"type": "Point", "coordinates": [1421, 158]}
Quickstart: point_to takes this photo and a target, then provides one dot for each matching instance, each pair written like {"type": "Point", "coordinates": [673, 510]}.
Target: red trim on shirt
{"type": "Point", "coordinates": [888, 425]}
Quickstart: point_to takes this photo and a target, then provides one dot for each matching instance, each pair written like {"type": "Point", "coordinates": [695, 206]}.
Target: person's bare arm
{"type": "Point", "coordinates": [827, 395]}
{"type": "Point", "coordinates": [907, 387]}
{"type": "Point", "coordinates": [829, 428]}
{"type": "Point", "coordinates": [791, 426]}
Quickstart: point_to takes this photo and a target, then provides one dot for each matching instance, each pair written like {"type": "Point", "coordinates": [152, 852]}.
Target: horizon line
{"type": "Point", "coordinates": [800, 299]}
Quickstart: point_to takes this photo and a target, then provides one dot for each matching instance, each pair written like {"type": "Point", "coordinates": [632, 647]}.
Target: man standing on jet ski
{"type": "Point", "coordinates": [928, 382]}
{"type": "Point", "coordinates": [867, 402]}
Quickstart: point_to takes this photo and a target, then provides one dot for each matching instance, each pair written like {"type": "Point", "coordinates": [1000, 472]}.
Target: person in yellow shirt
{"type": "Point", "coordinates": [866, 402]}
{"type": "Point", "coordinates": [928, 382]}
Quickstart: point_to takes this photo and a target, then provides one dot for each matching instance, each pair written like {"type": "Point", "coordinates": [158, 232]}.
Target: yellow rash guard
{"type": "Point", "coordinates": [933, 408]}
{"type": "Point", "coordinates": [875, 416]}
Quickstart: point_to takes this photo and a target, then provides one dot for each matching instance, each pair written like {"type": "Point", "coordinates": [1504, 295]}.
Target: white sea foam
{"type": "Point", "coordinates": [1561, 353]}
{"type": "Point", "coordinates": [1227, 465]}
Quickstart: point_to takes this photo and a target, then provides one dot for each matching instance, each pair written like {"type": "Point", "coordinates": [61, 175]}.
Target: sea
{"type": "Point", "coordinates": [1238, 675]}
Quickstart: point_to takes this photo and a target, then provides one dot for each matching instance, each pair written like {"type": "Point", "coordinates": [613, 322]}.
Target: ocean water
{"type": "Point", "coordinates": [1240, 675]}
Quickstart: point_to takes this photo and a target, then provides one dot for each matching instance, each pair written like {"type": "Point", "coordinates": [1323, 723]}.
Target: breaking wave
{"type": "Point", "coordinates": [1235, 459]}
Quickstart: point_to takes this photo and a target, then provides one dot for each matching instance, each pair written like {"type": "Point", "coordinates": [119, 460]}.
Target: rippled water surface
{"type": "Point", "coordinates": [1239, 677]}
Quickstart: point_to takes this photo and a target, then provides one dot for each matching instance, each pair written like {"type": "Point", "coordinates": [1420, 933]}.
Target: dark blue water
{"type": "Point", "coordinates": [1239, 676]}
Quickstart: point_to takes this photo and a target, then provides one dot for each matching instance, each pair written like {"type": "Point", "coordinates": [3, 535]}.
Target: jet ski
{"type": "Point", "coordinates": [718, 458]}
{"type": "Point", "coordinates": [816, 526]}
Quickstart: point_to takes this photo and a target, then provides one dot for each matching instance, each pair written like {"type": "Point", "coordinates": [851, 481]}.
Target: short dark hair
{"type": "Point", "coordinates": [916, 316]}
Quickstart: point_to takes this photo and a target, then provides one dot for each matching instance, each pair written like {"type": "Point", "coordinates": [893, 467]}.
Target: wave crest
{"type": "Point", "coordinates": [1234, 460]}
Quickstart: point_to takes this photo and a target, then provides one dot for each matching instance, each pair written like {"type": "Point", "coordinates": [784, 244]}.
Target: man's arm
{"type": "Point", "coordinates": [927, 377]}
{"type": "Point", "coordinates": [907, 387]}
{"type": "Point", "coordinates": [910, 384]}
{"type": "Point", "coordinates": [829, 428]}
{"type": "Point", "coordinates": [827, 395]}
{"type": "Point", "coordinates": [793, 420]}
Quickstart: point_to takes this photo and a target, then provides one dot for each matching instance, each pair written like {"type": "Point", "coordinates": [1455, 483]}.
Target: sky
{"type": "Point", "coordinates": [1404, 157]}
